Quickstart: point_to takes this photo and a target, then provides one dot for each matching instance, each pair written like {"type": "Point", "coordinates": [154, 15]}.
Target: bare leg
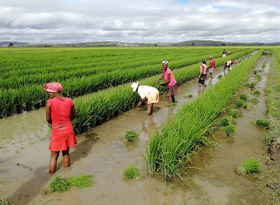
{"type": "Point", "coordinates": [66, 158]}
{"type": "Point", "coordinates": [150, 109]}
{"type": "Point", "coordinates": [53, 162]}
{"type": "Point", "coordinates": [169, 99]}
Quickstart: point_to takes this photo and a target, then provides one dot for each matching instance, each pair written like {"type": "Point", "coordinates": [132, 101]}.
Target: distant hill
{"type": "Point", "coordinates": [124, 44]}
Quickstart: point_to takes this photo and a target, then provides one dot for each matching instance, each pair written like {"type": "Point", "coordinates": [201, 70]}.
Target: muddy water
{"type": "Point", "coordinates": [103, 153]}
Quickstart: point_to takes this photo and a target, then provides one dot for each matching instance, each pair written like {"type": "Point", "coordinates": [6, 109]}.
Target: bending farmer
{"type": "Point", "coordinates": [146, 93]}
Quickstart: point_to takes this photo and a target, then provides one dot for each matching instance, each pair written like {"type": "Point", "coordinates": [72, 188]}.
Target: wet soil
{"type": "Point", "coordinates": [102, 152]}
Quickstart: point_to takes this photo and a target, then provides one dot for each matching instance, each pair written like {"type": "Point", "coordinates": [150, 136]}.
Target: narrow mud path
{"type": "Point", "coordinates": [103, 153]}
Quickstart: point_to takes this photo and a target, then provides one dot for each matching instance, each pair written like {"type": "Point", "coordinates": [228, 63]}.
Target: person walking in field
{"type": "Point", "coordinates": [212, 66]}
{"type": "Point", "coordinates": [170, 82]}
{"type": "Point", "coordinates": [60, 111]}
{"type": "Point", "coordinates": [203, 74]}
{"type": "Point", "coordinates": [229, 52]}
{"type": "Point", "coordinates": [228, 65]}
{"type": "Point", "coordinates": [224, 53]}
{"type": "Point", "coordinates": [147, 93]}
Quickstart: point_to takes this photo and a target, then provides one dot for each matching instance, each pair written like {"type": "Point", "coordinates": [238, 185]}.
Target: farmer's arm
{"type": "Point", "coordinates": [169, 79]}
{"type": "Point", "coordinates": [48, 114]}
{"type": "Point", "coordinates": [141, 101]}
{"type": "Point", "coordinates": [73, 113]}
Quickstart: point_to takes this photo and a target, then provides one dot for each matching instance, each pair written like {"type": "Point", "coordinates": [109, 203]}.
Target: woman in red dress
{"type": "Point", "coordinates": [60, 111]}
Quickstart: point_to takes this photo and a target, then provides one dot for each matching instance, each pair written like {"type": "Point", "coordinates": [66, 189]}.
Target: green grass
{"type": "Point", "coordinates": [234, 113]}
{"type": "Point", "coordinates": [168, 151]}
{"type": "Point", "coordinates": [225, 122]}
{"type": "Point", "coordinates": [131, 136]}
{"type": "Point", "coordinates": [257, 92]}
{"type": "Point", "coordinates": [250, 166]}
{"type": "Point", "coordinates": [262, 123]}
{"type": "Point", "coordinates": [60, 184]}
{"type": "Point", "coordinates": [130, 172]}
{"type": "Point", "coordinates": [244, 97]}
{"type": "Point", "coordinates": [239, 103]}
{"type": "Point", "coordinates": [229, 129]}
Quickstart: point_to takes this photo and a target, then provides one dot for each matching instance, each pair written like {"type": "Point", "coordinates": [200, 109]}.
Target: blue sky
{"type": "Point", "coordinates": [57, 21]}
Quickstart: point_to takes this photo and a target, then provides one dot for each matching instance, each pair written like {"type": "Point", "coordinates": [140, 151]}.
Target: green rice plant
{"type": "Point", "coordinates": [225, 122]}
{"type": "Point", "coordinates": [257, 92]}
{"type": "Point", "coordinates": [131, 136]}
{"type": "Point", "coordinates": [252, 85]}
{"type": "Point", "coordinates": [130, 172]}
{"type": "Point", "coordinates": [258, 77]}
{"type": "Point", "coordinates": [250, 166]}
{"type": "Point", "coordinates": [234, 113]}
{"type": "Point", "coordinates": [168, 151]}
{"type": "Point", "coordinates": [239, 103]}
{"type": "Point", "coordinates": [229, 129]}
{"type": "Point", "coordinates": [255, 101]}
{"type": "Point", "coordinates": [244, 97]}
{"type": "Point", "coordinates": [4, 202]}
{"type": "Point", "coordinates": [262, 123]}
{"type": "Point", "coordinates": [60, 184]}
{"type": "Point", "coordinates": [220, 76]}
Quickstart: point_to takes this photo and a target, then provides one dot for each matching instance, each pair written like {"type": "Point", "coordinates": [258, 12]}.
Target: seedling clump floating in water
{"type": "Point", "coordinates": [230, 129]}
{"type": "Point", "coordinates": [249, 167]}
{"type": "Point", "coordinates": [130, 172]}
{"type": "Point", "coordinates": [262, 123]}
{"type": "Point", "coordinates": [131, 136]}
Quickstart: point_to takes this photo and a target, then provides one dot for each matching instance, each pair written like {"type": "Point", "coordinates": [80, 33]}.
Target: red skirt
{"type": "Point", "coordinates": [62, 138]}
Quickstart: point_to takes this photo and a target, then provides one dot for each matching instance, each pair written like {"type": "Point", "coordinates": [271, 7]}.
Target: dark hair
{"type": "Point", "coordinates": [204, 61]}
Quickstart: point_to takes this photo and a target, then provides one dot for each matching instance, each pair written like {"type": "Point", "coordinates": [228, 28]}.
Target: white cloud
{"type": "Point", "coordinates": [139, 21]}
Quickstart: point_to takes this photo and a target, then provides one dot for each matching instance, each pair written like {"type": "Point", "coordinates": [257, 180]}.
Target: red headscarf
{"type": "Point", "coordinates": [53, 87]}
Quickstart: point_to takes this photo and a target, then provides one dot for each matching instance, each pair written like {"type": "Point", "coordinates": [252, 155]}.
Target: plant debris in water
{"type": "Point", "coordinates": [250, 166]}
{"type": "Point", "coordinates": [131, 136]}
{"type": "Point", "coordinates": [60, 184]}
{"type": "Point", "coordinates": [262, 123]}
{"type": "Point", "coordinates": [130, 172]}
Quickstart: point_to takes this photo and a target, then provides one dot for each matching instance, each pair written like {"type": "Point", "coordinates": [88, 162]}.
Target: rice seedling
{"type": "Point", "coordinates": [130, 172]}
{"type": "Point", "coordinates": [168, 151]}
{"type": "Point", "coordinates": [171, 104]}
{"type": "Point", "coordinates": [4, 202]}
{"type": "Point", "coordinates": [262, 123]}
{"type": "Point", "coordinates": [190, 95]}
{"type": "Point", "coordinates": [257, 92]}
{"type": "Point", "coordinates": [258, 77]}
{"type": "Point", "coordinates": [234, 113]}
{"type": "Point", "coordinates": [225, 122]}
{"type": "Point", "coordinates": [245, 106]}
{"type": "Point", "coordinates": [220, 76]}
{"type": "Point", "coordinates": [255, 71]}
{"type": "Point", "coordinates": [249, 167]}
{"type": "Point", "coordinates": [255, 101]}
{"type": "Point", "coordinates": [60, 184]}
{"type": "Point", "coordinates": [131, 136]}
{"type": "Point", "coordinates": [244, 97]}
{"type": "Point", "coordinates": [229, 129]}
{"type": "Point", "coordinates": [239, 103]}
{"type": "Point", "coordinates": [252, 85]}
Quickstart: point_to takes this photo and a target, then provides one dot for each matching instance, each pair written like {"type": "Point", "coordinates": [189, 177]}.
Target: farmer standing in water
{"type": "Point", "coordinates": [146, 93]}
{"type": "Point", "coordinates": [60, 111]}
{"type": "Point", "coordinates": [224, 53]}
{"type": "Point", "coordinates": [203, 73]}
{"type": "Point", "coordinates": [212, 66]}
{"type": "Point", "coordinates": [228, 65]}
{"type": "Point", "coordinates": [170, 81]}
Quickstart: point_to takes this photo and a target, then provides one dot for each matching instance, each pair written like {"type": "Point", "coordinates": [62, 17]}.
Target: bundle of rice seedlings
{"type": "Point", "coordinates": [239, 103]}
{"type": "Point", "coordinates": [130, 172]}
{"type": "Point", "coordinates": [254, 100]}
{"type": "Point", "coordinates": [59, 185]}
{"type": "Point", "coordinates": [233, 113]}
{"type": "Point", "coordinates": [230, 129]}
{"type": "Point", "coordinates": [258, 77]}
{"type": "Point", "coordinates": [225, 122]}
{"type": "Point", "coordinates": [257, 92]}
{"type": "Point", "coordinates": [262, 123]}
{"type": "Point", "coordinates": [249, 167]}
{"type": "Point", "coordinates": [131, 136]}
{"type": "Point", "coordinates": [244, 97]}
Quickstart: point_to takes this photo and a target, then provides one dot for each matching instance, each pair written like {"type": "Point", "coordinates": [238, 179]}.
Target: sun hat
{"type": "Point", "coordinates": [134, 86]}
{"type": "Point", "coordinates": [53, 87]}
{"type": "Point", "coordinates": [164, 62]}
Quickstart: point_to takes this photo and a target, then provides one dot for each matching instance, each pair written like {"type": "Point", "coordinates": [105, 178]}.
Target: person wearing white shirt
{"type": "Point", "coordinates": [147, 93]}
